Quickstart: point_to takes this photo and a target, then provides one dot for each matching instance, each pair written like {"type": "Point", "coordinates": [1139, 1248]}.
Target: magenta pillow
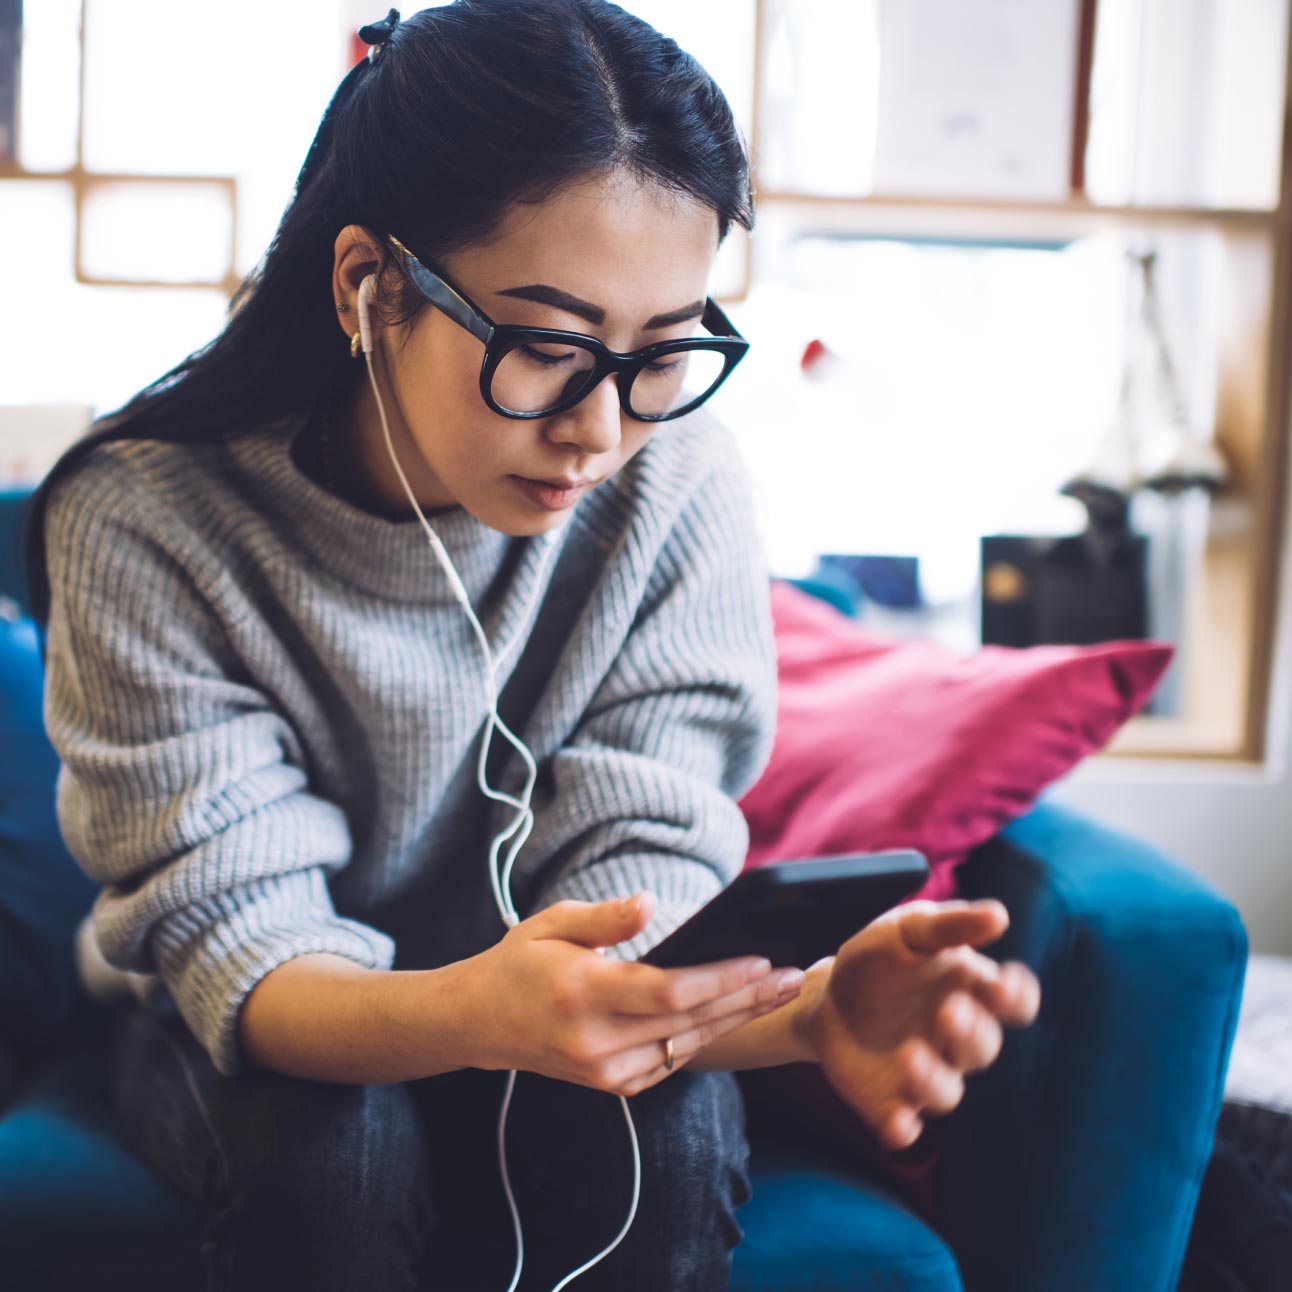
{"type": "Point", "coordinates": [905, 744]}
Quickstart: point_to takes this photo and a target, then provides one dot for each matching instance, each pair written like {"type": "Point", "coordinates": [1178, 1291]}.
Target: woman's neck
{"type": "Point", "coordinates": [361, 467]}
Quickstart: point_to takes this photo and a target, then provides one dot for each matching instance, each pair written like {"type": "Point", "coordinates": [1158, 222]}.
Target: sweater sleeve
{"type": "Point", "coordinates": [181, 789]}
{"type": "Point", "coordinates": [643, 793]}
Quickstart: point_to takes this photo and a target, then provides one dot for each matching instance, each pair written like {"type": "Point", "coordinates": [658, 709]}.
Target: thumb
{"type": "Point", "coordinates": [934, 926]}
{"type": "Point", "coordinates": [596, 924]}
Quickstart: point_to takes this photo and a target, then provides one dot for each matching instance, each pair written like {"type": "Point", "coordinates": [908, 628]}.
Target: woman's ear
{"type": "Point", "coordinates": [356, 255]}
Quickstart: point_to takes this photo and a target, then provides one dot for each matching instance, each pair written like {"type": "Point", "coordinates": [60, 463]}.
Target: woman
{"type": "Point", "coordinates": [266, 680]}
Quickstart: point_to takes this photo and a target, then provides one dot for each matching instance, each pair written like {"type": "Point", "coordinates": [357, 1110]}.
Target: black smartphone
{"type": "Point", "coordinates": [793, 912]}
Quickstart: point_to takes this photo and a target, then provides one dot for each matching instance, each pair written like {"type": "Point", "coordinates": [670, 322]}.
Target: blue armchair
{"type": "Point", "coordinates": [1073, 1164]}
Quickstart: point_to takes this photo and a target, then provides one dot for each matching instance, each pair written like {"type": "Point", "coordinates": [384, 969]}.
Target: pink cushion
{"type": "Point", "coordinates": [906, 744]}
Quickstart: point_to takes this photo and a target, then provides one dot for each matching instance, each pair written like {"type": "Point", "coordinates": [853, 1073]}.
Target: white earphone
{"type": "Point", "coordinates": [524, 818]}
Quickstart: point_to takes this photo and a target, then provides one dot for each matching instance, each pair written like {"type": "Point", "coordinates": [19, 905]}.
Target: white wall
{"type": "Point", "coordinates": [1230, 824]}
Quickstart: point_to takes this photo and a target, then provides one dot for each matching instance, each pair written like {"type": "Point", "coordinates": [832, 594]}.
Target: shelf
{"type": "Point", "coordinates": [77, 175]}
{"type": "Point", "coordinates": [973, 213]}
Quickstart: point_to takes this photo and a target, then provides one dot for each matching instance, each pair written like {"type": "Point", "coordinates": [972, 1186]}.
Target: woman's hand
{"type": "Point", "coordinates": [907, 1007]}
{"type": "Point", "coordinates": [549, 1003]}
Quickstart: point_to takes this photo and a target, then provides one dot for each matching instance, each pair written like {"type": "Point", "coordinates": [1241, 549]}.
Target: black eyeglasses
{"type": "Point", "coordinates": [537, 371]}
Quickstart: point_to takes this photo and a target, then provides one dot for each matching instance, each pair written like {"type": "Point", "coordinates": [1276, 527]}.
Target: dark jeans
{"type": "Point", "coordinates": [308, 1184]}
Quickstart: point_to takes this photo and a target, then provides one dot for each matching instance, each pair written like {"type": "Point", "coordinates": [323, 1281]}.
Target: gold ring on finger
{"type": "Point", "coordinates": [668, 1055]}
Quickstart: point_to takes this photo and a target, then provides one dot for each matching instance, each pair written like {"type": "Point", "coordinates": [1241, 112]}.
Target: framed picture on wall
{"type": "Point", "coordinates": [978, 100]}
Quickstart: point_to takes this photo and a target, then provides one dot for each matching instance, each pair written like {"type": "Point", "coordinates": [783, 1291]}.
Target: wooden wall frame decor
{"type": "Point", "coordinates": [82, 182]}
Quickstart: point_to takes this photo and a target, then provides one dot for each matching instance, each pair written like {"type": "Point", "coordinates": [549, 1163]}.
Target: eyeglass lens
{"type": "Point", "coordinates": [535, 377]}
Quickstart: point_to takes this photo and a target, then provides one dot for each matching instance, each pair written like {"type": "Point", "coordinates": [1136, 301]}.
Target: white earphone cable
{"type": "Point", "coordinates": [524, 819]}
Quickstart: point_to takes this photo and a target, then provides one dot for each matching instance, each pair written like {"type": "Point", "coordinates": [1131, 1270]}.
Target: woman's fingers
{"type": "Point", "coordinates": [928, 927]}
{"type": "Point", "coordinates": [901, 1128]}
{"type": "Point", "coordinates": [636, 988]}
{"type": "Point", "coordinates": [711, 1020]}
{"type": "Point", "coordinates": [928, 1088]}
{"type": "Point", "coordinates": [1010, 990]}
{"type": "Point", "coordinates": [645, 1063]}
{"type": "Point", "coordinates": [967, 1034]}
{"type": "Point", "coordinates": [1013, 994]}
{"type": "Point", "coordinates": [928, 1083]}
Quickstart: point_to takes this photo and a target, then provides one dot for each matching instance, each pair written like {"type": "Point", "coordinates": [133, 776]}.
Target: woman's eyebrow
{"type": "Point", "coordinates": [546, 295]}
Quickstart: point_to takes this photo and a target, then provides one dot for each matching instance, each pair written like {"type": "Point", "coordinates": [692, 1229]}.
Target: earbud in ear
{"type": "Point", "coordinates": [367, 292]}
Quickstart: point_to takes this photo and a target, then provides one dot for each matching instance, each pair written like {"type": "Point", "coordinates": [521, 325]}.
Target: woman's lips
{"type": "Point", "coordinates": [544, 495]}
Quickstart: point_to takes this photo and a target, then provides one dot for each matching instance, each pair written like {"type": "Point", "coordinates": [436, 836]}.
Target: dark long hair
{"type": "Point", "coordinates": [467, 110]}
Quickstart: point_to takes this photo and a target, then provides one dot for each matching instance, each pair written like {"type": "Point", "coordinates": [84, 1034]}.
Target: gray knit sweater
{"type": "Point", "coordinates": [269, 708]}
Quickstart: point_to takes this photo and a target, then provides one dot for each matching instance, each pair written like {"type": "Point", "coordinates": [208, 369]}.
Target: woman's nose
{"type": "Point", "coordinates": [594, 422]}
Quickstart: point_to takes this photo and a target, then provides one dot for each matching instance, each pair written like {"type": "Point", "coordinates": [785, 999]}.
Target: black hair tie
{"type": "Point", "coordinates": [377, 34]}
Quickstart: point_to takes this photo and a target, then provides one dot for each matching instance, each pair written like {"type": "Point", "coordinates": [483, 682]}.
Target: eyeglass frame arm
{"type": "Point", "coordinates": [444, 296]}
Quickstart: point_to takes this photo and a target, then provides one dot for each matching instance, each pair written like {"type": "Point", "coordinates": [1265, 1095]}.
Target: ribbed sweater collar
{"type": "Point", "coordinates": [389, 558]}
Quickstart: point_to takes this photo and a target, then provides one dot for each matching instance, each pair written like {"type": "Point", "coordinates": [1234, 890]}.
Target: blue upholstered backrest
{"type": "Point", "coordinates": [43, 893]}
{"type": "Point", "coordinates": [13, 576]}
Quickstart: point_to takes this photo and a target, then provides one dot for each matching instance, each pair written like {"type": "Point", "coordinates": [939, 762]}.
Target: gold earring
{"type": "Point", "coordinates": [342, 306]}
{"type": "Point", "coordinates": [355, 342]}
